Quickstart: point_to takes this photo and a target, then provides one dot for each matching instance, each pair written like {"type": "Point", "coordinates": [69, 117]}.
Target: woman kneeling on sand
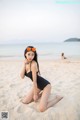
{"type": "Point", "coordinates": [30, 69]}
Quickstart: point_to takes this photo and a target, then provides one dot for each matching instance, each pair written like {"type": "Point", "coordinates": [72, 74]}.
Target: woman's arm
{"type": "Point", "coordinates": [22, 73]}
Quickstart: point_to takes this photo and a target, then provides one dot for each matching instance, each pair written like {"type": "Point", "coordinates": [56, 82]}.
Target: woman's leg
{"type": "Point", "coordinates": [29, 97]}
{"type": "Point", "coordinates": [54, 101]}
{"type": "Point", "coordinates": [45, 103]}
{"type": "Point", "coordinates": [44, 98]}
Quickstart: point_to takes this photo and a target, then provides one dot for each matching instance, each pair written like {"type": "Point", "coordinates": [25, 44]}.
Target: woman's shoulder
{"type": "Point", "coordinates": [34, 63]}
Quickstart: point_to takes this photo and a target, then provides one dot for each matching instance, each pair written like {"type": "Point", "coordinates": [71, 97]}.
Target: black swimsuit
{"type": "Point", "coordinates": [41, 82]}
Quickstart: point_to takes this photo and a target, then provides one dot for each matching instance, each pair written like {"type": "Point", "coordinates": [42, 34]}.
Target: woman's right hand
{"type": "Point", "coordinates": [25, 61]}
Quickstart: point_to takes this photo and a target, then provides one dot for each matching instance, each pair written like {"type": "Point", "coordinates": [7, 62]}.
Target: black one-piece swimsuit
{"type": "Point", "coordinates": [41, 82]}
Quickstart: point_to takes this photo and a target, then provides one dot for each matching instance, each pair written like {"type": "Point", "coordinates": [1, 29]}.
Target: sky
{"type": "Point", "coordinates": [39, 20]}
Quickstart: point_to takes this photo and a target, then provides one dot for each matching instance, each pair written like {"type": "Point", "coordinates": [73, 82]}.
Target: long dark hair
{"type": "Point", "coordinates": [35, 56]}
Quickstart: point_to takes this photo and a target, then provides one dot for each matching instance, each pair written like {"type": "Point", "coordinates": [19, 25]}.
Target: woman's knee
{"type": "Point", "coordinates": [42, 108]}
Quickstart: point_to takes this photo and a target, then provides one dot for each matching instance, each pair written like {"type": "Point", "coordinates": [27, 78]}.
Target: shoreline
{"type": "Point", "coordinates": [44, 60]}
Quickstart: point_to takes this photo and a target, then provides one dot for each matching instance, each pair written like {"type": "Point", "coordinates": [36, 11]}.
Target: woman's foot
{"type": "Point", "coordinates": [59, 97]}
{"type": "Point", "coordinates": [23, 101]}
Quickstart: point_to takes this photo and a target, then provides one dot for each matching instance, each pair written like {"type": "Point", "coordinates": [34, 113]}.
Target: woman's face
{"type": "Point", "coordinates": [30, 56]}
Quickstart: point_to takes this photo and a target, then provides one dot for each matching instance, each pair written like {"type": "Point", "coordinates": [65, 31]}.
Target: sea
{"type": "Point", "coordinates": [45, 50]}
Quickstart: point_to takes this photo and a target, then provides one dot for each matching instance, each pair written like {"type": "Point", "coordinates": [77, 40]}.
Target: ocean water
{"type": "Point", "coordinates": [44, 50]}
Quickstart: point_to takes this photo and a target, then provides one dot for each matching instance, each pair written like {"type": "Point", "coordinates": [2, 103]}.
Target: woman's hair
{"type": "Point", "coordinates": [35, 56]}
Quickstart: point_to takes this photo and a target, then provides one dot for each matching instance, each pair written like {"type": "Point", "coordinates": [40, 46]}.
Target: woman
{"type": "Point", "coordinates": [30, 69]}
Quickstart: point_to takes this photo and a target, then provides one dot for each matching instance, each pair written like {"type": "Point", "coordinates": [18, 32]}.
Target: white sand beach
{"type": "Point", "coordinates": [65, 81]}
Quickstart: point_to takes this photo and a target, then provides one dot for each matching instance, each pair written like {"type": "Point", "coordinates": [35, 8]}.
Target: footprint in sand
{"type": "Point", "coordinates": [19, 95]}
{"type": "Point", "coordinates": [1, 96]}
{"type": "Point", "coordinates": [13, 85]}
{"type": "Point", "coordinates": [1, 87]}
{"type": "Point", "coordinates": [3, 102]}
{"type": "Point", "coordinates": [21, 108]}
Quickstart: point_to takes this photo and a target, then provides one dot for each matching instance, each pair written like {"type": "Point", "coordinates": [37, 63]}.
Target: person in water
{"type": "Point", "coordinates": [62, 56]}
{"type": "Point", "coordinates": [40, 87]}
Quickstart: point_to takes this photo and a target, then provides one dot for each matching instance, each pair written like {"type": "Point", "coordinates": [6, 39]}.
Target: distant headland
{"type": "Point", "coordinates": [72, 40]}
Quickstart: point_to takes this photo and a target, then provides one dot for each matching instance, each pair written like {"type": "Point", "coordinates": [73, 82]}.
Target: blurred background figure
{"type": "Point", "coordinates": [62, 56]}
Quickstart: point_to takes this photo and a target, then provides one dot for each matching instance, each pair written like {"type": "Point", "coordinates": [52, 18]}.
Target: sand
{"type": "Point", "coordinates": [65, 81]}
